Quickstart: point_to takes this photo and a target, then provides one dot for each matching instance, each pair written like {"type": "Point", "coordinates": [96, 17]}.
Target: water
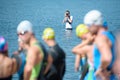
{"type": "Point", "coordinates": [50, 13]}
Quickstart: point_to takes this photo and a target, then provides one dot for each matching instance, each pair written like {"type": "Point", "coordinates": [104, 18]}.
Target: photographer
{"type": "Point", "coordinates": [68, 20]}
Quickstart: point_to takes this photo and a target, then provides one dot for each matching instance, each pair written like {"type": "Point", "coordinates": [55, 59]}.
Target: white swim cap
{"type": "Point", "coordinates": [93, 17]}
{"type": "Point", "coordinates": [24, 26]}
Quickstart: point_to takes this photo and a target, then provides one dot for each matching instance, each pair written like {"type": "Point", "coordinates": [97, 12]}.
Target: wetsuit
{"type": "Point", "coordinates": [23, 62]}
{"type": "Point", "coordinates": [83, 61]}
{"type": "Point", "coordinates": [88, 68]}
{"type": "Point", "coordinates": [8, 78]}
{"type": "Point", "coordinates": [41, 74]}
{"type": "Point", "coordinates": [97, 55]}
{"type": "Point", "coordinates": [37, 68]}
{"type": "Point", "coordinates": [58, 56]}
{"type": "Point", "coordinates": [90, 71]}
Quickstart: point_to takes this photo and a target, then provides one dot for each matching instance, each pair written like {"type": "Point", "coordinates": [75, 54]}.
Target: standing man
{"type": "Point", "coordinates": [68, 20]}
{"type": "Point", "coordinates": [58, 55]}
{"type": "Point", "coordinates": [104, 46]}
{"type": "Point", "coordinates": [35, 54]}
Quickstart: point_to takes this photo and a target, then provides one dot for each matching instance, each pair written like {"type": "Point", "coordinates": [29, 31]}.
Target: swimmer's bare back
{"type": "Point", "coordinates": [8, 66]}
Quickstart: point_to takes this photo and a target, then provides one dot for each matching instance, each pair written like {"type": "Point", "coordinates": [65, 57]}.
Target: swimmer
{"type": "Point", "coordinates": [35, 53]}
{"type": "Point", "coordinates": [104, 46]}
{"type": "Point", "coordinates": [8, 66]}
{"type": "Point", "coordinates": [58, 55]}
{"type": "Point", "coordinates": [85, 49]}
{"type": "Point", "coordinates": [22, 54]}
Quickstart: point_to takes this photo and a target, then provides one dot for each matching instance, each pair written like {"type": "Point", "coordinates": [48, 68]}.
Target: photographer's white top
{"type": "Point", "coordinates": [68, 25]}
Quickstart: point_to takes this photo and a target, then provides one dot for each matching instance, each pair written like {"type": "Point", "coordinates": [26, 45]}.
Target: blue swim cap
{"type": "Point", "coordinates": [3, 44]}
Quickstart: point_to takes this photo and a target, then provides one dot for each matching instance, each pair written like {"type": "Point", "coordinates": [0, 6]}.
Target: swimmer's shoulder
{"type": "Point", "coordinates": [8, 61]}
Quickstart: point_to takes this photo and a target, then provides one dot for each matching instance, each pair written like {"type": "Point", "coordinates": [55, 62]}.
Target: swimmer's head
{"type": "Point", "coordinates": [25, 26]}
{"type": "Point", "coordinates": [3, 45]}
{"type": "Point", "coordinates": [81, 30]}
{"type": "Point", "coordinates": [24, 30]}
{"type": "Point", "coordinates": [93, 19]}
{"type": "Point", "coordinates": [48, 34]}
